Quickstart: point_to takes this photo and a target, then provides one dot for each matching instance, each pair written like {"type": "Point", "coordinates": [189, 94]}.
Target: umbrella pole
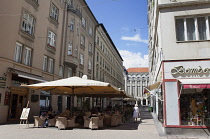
{"type": "Point", "coordinates": [72, 101]}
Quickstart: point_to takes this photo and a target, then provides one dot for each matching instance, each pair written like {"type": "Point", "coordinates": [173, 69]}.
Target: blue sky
{"type": "Point", "coordinates": [126, 23]}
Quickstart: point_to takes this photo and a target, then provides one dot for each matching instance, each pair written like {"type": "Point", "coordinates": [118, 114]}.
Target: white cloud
{"type": "Point", "coordinates": [134, 59]}
{"type": "Point", "coordinates": [135, 38]}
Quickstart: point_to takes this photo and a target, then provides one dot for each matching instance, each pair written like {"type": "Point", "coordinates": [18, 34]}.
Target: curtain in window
{"type": "Point", "coordinates": [201, 28]}
{"type": "Point", "coordinates": [190, 29]}
{"type": "Point", "coordinates": [180, 30]}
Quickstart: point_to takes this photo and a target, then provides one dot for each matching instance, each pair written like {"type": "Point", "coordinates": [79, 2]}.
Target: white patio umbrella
{"type": "Point", "coordinates": [77, 86]}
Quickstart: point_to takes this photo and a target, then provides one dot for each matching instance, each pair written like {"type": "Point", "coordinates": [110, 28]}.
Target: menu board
{"type": "Point", "coordinates": [25, 113]}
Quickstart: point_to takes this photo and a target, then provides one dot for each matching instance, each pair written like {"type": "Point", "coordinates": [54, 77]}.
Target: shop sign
{"type": "Point", "coordinates": [183, 70]}
{"type": "Point", "coordinates": [18, 90]}
{"type": "Point", "coordinates": [6, 99]}
{"type": "Point", "coordinates": [2, 82]}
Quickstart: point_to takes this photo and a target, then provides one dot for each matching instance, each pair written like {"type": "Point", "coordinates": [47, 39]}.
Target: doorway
{"type": "Point", "coordinates": [18, 102]}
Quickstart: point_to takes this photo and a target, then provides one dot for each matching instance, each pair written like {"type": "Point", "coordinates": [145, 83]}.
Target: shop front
{"type": "Point", "coordinates": [186, 86]}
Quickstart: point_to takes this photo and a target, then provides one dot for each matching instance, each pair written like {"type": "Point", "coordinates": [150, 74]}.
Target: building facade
{"type": "Point", "coordinates": [179, 61]}
{"type": "Point", "coordinates": [47, 40]}
{"type": "Point", "coordinates": [108, 63]}
{"type": "Point", "coordinates": [137, 79]}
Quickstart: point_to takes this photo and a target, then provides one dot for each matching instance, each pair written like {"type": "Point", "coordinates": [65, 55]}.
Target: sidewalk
{"type": "Point", "coordinates": [180, 133]}
{"type": "Point", "coordinates": [145, 129]}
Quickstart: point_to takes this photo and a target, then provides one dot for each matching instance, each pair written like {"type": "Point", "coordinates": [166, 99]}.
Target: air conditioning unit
{"type": "Point", "coordinates": [173, 0]}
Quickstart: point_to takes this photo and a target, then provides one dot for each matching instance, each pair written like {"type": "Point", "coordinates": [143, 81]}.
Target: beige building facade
{"type": "Point", "coordinates": [108, 63]}
{"type": "Point", "coordinates": [44, 41]}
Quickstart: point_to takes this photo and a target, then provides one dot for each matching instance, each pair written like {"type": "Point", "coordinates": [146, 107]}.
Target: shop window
{"type": "Point", "coordinates": [195, 107]}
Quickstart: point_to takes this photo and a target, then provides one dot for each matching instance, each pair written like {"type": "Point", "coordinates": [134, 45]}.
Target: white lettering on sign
{"type": "Point", "coordinates": [182, 70]}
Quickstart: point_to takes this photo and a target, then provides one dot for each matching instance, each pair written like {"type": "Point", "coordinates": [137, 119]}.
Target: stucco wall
{"type": "Point", "coordinates": [172, 110]}
{"type": "Point", "coordinates": [173, 50]}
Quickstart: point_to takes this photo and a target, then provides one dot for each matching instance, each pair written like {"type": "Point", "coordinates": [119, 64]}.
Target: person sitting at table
{"type": "Point", "coordinates": [47, 116]}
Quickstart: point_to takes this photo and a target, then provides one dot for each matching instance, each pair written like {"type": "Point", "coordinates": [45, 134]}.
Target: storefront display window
{"type": "Point", "coordinates": [195, 107]}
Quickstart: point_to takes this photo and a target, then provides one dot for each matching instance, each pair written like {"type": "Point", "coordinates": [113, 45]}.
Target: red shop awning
{"type": "Point", "coordinates": [195, 83]}
{"type": "Point", "coordinates": [185, 86]}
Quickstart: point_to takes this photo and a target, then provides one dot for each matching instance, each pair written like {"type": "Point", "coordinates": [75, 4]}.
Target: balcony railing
{"type": "Point", "coordinates": [74, 10]}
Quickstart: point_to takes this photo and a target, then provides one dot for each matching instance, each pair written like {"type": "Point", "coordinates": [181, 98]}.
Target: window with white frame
{"type": "Point", "coordinates": [28, 56]}
{"type": "Point", "coordinates": [90, 31]}
{"type": "Point", "coordinates": [70, 72]}
{"type": "Point", "coordinates": [89, 65]}
{"type": "Point", "coordinates": [83, 22]}
{"type": "Point", "coordinates": [81, 59]}
{"type": "Point", "coordinates": [71, 26]}
{"type": "Point", "coordinates": [82, 41]}
{"type": "Point", "coordinates": [51, 65]}
{"type": "Point", "coordinates": [90, 48]}
{"type": "Point", "coordinates": [70, 49]}
{"type": "Point", "coordinates": [192, 28]}
{"type": "Point", "coordinates": [18, 52]}
{"type": "Point", "coordinates": [54, 12]}
{"type": "Point", "coordinates": [28, 23]}
{"type": "Point", "coordinates": [45, 63]}
{"type": "Point", "coordinates": [51, 38]}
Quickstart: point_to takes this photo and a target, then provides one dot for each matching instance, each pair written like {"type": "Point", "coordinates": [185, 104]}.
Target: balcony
{"type": "Point", "coordinates": [71, 61]}
{"type": "Point", "coordinates": [74, 10]}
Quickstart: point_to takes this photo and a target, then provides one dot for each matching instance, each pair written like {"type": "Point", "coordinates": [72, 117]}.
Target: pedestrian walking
{"type": "Point", "coordinates": [136, 113]}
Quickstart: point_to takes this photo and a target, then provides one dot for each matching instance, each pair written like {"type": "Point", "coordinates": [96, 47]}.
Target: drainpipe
{"type": "Point", "coordinates": [94, 51]}
{"type": "Point", "coordinates": [63, 35]}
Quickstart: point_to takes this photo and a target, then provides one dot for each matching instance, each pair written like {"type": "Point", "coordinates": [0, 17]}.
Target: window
{"type": "Point", "coordinates": [69, 2]}
{"type": "Point", "coordinates": [202, 28]}
{"type": "Point", "coordinates": [97, 57]}
{"type": "Point", "coordinates": [83, 22]}
{"type": "Point", "coordinates": [82, 40]}
{"type": "Point", "coordinates": [128, 90]}
{"type": "Point", "coordinates": [81, 59]}
{"type": "Point", "coordinates": [71, 25]}
{"type": "Point", "coordinates": [90, 48]}
{"type": "Point", "coordinates": [69, 72]}
{"type": "Point", "coordinates": [97, 40]}
{"type": "Point", "coordinates": [192, 28]}
{"type": "Point", "coordinates": [54, 12]}
{"type": "Point", "coordinates": [133, 90]}
{"type": "Point", "coordinates": [138, 90]}
{"type": "Point", "coordinates": [45, 63]}
{"type": "Point", "coordinates": [61, 71]}
{"type": "Point", "coordinates": [51, 65]}
{"type": "Point", "coordinates": [70, 49]}
{"type": "Point", "coordinates": [28, 56]}
{"type": "Point", "coordinates": [51, 38]}
{"type": "Point", "coordinates": [18, 52]}
{"type": "Point", "coordinates": [90, 31]}
{"type": "Point", "coordinates": [28, 23]}
{"type": "Point", "coordinates": [89, 65]}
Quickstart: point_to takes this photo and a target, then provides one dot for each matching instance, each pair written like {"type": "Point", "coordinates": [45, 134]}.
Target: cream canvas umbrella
{"type": "Point", "coordinates": [76, 86]}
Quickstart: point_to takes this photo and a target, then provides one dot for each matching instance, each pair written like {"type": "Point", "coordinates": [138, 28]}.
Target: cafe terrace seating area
{"type": "Point", "coordinates": [88, 120]}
